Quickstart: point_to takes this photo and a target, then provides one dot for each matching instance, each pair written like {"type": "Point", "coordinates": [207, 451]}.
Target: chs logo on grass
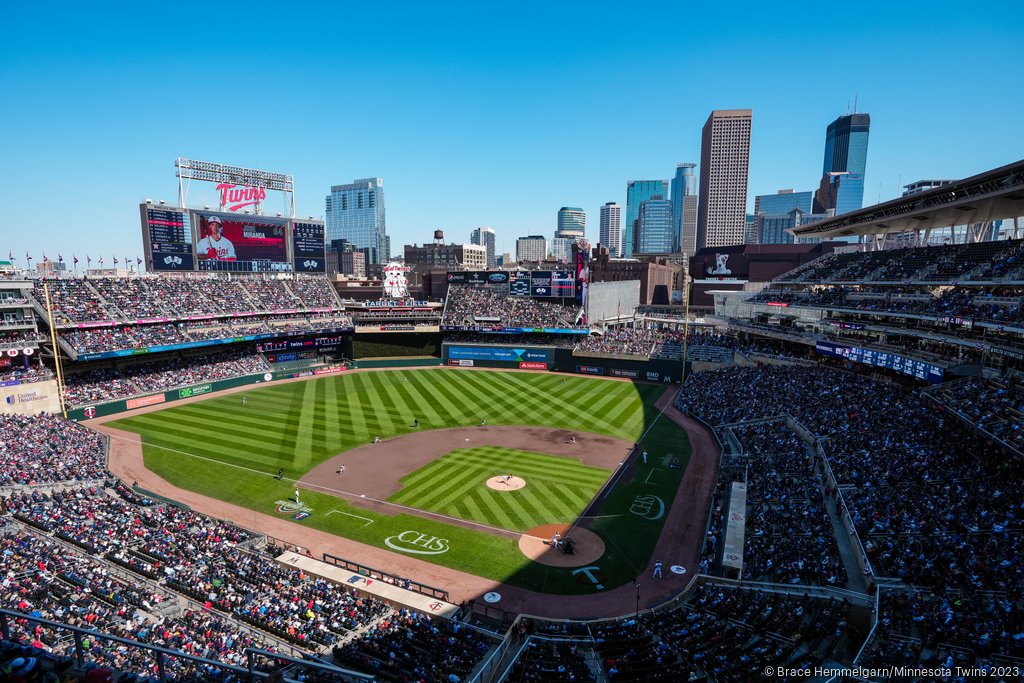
{"type": "Point", "coordinates": [417, 544]}
{"type": "Point", "coordinates": [290, 507]}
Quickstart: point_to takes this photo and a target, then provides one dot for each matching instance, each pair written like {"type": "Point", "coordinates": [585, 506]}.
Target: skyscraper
{"type": "Point", "coordinates": [724, 166]}
{"type": "Point", "coordinates": [656, 232]}
{"type": "Point", "coordinates": [638, 191]}
{"type": "Point", "coordinates": [782, 202]}
{"type": "Point", "coordinates": [485, 237]}
{"type": "Point", "coordinates": [355, 212]}
{"type": "Point", "coordinates": [572, 220]}
{"type": "Point", "coordinates": [610, 234]}
{"type": "Point", "coordinates": [684, 207]}
{"type": "Point", "coordinates": [846, 156]}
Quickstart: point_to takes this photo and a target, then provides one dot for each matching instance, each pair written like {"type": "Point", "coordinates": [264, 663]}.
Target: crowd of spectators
{"type": "Point", "coordinates": [656, 342]}
{"type": "Point", "coordinates": [487, 305]}
{"type": "Point", "coordinates": [97, 339]}
{"type": "Point", "coordinates": [405, 646]}
{"type": "Point", "coordinates": [562, 341]}
{"type": "Point", "coordinates": [789, 537]}
{"type": "Point", "coordinates": [17, 338]}
{"type": "Point", "coordinates": [981, 261]}
{"type": "Point", "coordinates": [15, 369]}
{"type": "Point", "coordinates": [1001, 305]}
{"type": "Point", "coordinates": [46, 448]}
{"type": "Point", "coordinates": [726, 634]}
{"type": "Point", "coordinates": [997, 406]}
{"type": "Point", "coordinates": [126, 299]}
{"type": "Point", "coordinates": [123, 380]}
{"type": "Point", "coordinates": [935, 503]}
{"type": "Point", "coordinates": [199, 557]}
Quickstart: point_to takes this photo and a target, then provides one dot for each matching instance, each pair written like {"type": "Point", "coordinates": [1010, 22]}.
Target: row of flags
{"type": "Point", "coordinates": [88, 259]}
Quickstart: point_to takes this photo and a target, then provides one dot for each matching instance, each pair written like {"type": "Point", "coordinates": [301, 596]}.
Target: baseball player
{"type": "Point", "coordinates": [657, 570]}
{"type": "Point", "coordinates": [296, 495]}
{"type": "Point", "coordinates": [341, 470]}
{"type": "Point", "coordinates": [245, 400]}
{"type": "Point", "coordinates": [215, 246]}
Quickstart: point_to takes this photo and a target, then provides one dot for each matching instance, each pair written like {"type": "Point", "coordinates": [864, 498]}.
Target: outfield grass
{"type": "Point", "coordinates": [220, 448]}
{"type": "Point", "coordinates": [557, 490]}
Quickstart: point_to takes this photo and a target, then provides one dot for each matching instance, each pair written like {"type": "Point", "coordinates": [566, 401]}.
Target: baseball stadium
{"type": "Point", "coordinates": [238, 465]}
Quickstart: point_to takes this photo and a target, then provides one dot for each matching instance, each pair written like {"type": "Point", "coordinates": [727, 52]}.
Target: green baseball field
{"type": "Point", "coordinates": [231, 451]}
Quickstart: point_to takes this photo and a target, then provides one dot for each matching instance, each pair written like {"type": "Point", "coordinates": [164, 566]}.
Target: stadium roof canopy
{"type": "Point", "coordinates": [988, 196]}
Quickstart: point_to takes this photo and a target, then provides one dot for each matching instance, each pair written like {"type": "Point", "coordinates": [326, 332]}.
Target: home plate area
{"type": "Point", "coordinates": [536, 544]}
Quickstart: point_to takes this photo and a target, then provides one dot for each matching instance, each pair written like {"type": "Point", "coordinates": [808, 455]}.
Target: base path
{"type": "Point", "coordinates": [680, 541]}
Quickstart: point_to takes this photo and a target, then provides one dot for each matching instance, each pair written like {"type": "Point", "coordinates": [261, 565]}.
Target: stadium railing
{"type": "Point", "coordinates": [160, 654]}
{"type": "Point", "coordinates": [400, 581]}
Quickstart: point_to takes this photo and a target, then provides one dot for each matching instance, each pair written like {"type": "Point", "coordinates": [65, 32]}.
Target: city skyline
{"type": "Point", "coordinates": [93, 130]}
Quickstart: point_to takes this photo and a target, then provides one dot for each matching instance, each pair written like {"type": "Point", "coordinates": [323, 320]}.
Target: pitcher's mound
{"type": "Point", "coordinates": [504, 483]}
{"type": "Point", "coordinates": [536, 545]}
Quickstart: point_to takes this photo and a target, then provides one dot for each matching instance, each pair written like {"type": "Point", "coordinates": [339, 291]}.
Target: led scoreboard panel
{"type": "Point", "coordinates": [167, 238]}
{"type": "Point", "coordinates": [542, 283]}
{"type": "Point", "coordinates": [308, 247]}
{"type": "Point", "coordinates": [882, 359]}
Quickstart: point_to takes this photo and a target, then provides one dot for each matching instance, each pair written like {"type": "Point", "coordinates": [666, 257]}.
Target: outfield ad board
{"type": "Point", "coordinates": [507, 354]}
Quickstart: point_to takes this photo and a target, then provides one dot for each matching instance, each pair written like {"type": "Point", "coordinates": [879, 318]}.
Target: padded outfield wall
{"type": "Point", "coordinates": [536, 357]}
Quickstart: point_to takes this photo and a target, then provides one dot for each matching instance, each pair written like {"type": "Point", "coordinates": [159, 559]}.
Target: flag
{"type": "Point", "coordinates": [75, 259]}
{"type": "Point", "coordinates": [44, 257]}
{"type": "Point", "coordinates": [100, 259]}
{"type": "Point", "coordinates": [138, 261]}
{"type": "Point", "coordinates": [88, 260]}
{"type": "Point", "coordinates": [115, 260]}
{"type": "Point", "coordinates": [28, 258]}
{"type": "Point", "coordinates": [10, 255]}
{"type": "Point", "coordinates": [60, 259]}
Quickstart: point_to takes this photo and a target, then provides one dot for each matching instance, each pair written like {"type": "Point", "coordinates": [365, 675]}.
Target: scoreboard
{"type": "Point", "coordinates": [180, 239]}
{"type": "Point", "coordinates": [542, 283]}
{"type": "Point", "coordinates": [882, 359]}
{"type": "Point", "coordinates": [308, 247]}
{"type": "Point", "coordinates": [167, 237]}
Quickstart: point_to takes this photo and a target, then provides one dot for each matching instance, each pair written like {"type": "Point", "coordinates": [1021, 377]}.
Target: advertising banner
{"type": "Point", "coordinates": [532, 365]}
{"type": "Point", "coordinates": [590, 369]}
{"type": "Point", "coordinates": [498, 353]}
{"type": "Point", "coordinates": [22, 398]}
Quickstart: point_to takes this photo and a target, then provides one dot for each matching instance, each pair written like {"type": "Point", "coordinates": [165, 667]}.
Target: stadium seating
{"type": "Point", "coordinates": [122, 381]}
{"type": "Point", "coordinates": [200, 558]}
{"type": "Point", "coordinates": [487, 305]}
{"type": "Point", "coordinates": [937, 508]}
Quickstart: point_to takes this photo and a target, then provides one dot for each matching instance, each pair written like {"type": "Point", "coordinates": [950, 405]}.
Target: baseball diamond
{"type": "Point", "coordinates": [421, 490]}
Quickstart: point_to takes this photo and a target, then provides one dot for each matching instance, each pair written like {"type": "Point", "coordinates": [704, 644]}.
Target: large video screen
{"type": "Point", "coordinates": [308, 247]}
{"type": "Point", "coordinates": [167, 235]}
{"type": "Point", "coordinates": [240, 243]}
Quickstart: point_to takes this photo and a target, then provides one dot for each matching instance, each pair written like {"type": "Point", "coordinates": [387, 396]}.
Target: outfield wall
{"type": "Point", "coordinates": [121, 405]}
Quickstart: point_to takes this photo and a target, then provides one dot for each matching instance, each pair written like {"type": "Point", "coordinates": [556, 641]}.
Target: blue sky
{"type": "Point", "coordinates": [476, 114]}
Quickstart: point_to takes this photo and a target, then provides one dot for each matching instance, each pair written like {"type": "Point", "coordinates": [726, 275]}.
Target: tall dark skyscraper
{"type": "Point", "coordinates": [684, 207]}
{"type": "Point", "coordinates": [846, 156]}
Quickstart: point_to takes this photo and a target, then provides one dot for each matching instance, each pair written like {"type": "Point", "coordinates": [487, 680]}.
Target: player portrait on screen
{"type": "Point", "coordinates": [214, 245]}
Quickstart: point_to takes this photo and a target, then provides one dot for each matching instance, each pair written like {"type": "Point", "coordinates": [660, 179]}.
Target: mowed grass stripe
{"type": "Point", "coordinates": [251, 437]}
{"type": "Point", "coordinates": [540, 469]}
{"type": "Point", "coordinates": [551, 494]}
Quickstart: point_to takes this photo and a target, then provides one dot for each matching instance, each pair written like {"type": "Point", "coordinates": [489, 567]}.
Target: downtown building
{"type": "Point", "coordinates": [656, 231]}
{"type": "Point", "coordinates": [638, 192]}
{"type": "Point", "coordinates": [684, 207]}
{"type": "Point", "coordinates": [485, 237]}
{"type": "Point", "coordinates": [531, 248]}
{"type": "Point", "coordinates": [355, 213]}
{"type": "Point", "coordinates": [724, 169]}
{"type": "Point", "coordinates": [610, 232]}
{"type": "Point", "coordinates": [846, 156]}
